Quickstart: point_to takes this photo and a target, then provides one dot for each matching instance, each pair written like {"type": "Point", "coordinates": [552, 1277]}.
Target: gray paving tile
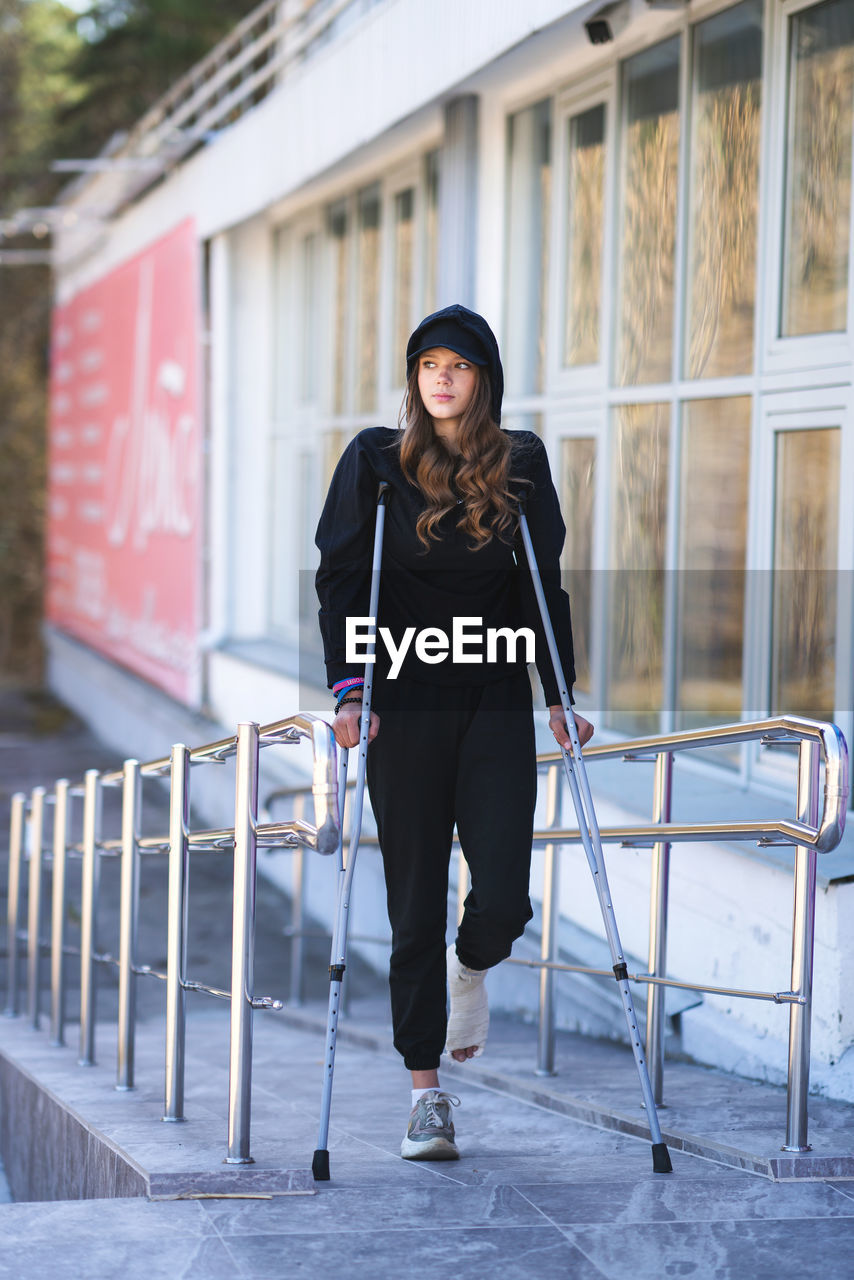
{"type": "Point", "coordinates": [627, 1167]}
{"type": "Point", "coordinates": [387, 1208]}
{"type": "Point", "coordinates": [433, 1254]}
{"type": "Point", "coordinates": [718, 1250]}
{"type": "Point", "coordinates": [105, 1259]}
{"type": "Point", "coordinates": [685, 1199]}
{"type": "Point", "coordinates": [79, 1221]}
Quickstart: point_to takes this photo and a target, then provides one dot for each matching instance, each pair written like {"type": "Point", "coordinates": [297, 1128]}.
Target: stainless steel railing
{"type": "Point", "coordinates": [27, 845]}
{"type": "Point", "coordinates": [817, 828]}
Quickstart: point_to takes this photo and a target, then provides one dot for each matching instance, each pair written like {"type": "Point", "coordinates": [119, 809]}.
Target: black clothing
{"type": "Point", "coordinates": [429, 588]}
{"type": "Point", "coordinates": [476, 342]}
{"type": "Point", "coordinates": [456, 739]}
{"type": "Point", "coordinates": [471, 758]}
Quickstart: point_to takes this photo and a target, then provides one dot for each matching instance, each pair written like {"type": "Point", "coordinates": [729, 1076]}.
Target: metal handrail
{"type": "Point", "coordinates": [249, 63]}
{"type": "Point", "coordinates": [813, 831]}
{"type": "Point", "coordinates": [823, 836]}
{"type": "Point", "coordinates": [818, 828]}
{"type": "Point", "coordinates": [27, 844]}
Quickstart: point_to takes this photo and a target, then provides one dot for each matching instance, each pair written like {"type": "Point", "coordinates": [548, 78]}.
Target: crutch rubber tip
{"type": "Point", "coordinates": [320, 1166]}
{"type": "Point", "coordinates": [660, 1159]}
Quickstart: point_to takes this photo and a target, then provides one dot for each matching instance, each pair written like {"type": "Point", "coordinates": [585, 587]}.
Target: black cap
{"type": "Point", "coordinates": [468, 334]}
{"type": "Point", "coordinates": [448, 333]}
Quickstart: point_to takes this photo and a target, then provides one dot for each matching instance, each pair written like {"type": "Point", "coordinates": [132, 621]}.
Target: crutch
{"type": "Point", "coordinates": [337, 964]}
{"type": "Point", "coordinates": [576, 775]}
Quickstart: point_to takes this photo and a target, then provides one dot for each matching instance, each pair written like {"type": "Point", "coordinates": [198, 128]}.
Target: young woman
{"type": "Point", "coordinates": [451, 732]}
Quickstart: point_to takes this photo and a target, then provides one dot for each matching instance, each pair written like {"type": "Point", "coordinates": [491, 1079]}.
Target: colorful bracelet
{"type": "Point", "coordinates": [340, 685]}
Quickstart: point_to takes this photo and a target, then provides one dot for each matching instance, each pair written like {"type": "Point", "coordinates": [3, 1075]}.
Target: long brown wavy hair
{"type": "Point", "coordinates": [479, 474]}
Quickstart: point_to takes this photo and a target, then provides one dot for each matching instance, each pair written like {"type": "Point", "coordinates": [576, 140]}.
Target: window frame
{"type": "Point", "coordinates": [800, 353]}
{"type": "Point", "coordinates": [588, 424]}
{"type": "Point", "coordinates": [801, 410]}
{"type": "Point", "coordinates": [600, 90]}
{"type": "Point", "coordinates": [404, 178]}
{"type": "Point", "coordinates": [291, 423]}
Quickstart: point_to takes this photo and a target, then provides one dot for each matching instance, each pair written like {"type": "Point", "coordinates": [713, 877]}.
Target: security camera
{"type": "Point", "coordinates": [607, 23]}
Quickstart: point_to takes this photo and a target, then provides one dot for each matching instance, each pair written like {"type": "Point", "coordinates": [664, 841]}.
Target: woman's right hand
{"type": "Point", "coordinates": [346, 726]}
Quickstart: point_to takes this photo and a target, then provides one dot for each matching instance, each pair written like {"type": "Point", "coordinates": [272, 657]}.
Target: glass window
{"type": "Point", "coordinates": [650, 167]}
{"type": "Point", "coordinates": [309, 325]}
{"type": "Point", "coordinates": [292, 485]}
{"type": "Point", "coordinates": [585, 229]}
{"type": "Point", "coordinates": [528, 204]}
{"type": "Point", "coordinates": [309, 632]}
{"type": "Point", "coordinates": [639, 521]}
{"type": "Point", "coordinates": [805, 557]}
{"type": "Point", "coordinates": [402, 287]}
{"type": "Point", "coordinates": [367, 320]}
{"type": "Point", "coordinates": [578, 486]}
{"type": "Point", "coordinates": [715, 462]}
{"type": "Point", "coordinates": [431, 232]}
{"type": "Point", "coordinates": [334, 443]}
{"type": "Point", "coordinates": [340, 243]}
{"type": "Point", "coordinates": [283, 322]}
{"type": "Point", "coordinates": [818, 178]}
{"type": "Point", "coordinates": [724, 192]}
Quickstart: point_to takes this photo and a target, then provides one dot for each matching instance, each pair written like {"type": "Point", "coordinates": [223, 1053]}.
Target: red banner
{"type": "Point", "coordinates": [124, 487]}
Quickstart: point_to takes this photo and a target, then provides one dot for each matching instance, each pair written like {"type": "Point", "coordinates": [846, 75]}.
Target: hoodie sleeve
{"type": "Point", "coordinates": [548, 531]}
{"type": "Point", "coordinates": [345, 537]}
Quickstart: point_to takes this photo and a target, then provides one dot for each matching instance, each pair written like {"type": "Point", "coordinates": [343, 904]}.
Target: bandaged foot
{"type": "Point", "coordinates": [468, 1021]}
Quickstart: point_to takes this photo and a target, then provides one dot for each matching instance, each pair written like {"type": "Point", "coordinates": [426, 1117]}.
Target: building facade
{"type": "Point", "coordinates": [658, 225]}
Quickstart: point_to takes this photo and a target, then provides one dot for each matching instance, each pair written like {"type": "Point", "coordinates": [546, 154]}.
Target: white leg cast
{"type": "Point", "coordinates": [468, 1022]}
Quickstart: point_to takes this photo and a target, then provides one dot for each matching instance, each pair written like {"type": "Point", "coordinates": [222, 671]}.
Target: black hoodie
{"type": "Point", "coordinates": [430, 587]}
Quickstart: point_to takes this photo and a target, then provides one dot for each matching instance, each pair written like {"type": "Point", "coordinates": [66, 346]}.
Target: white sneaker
{"type": "Point", "coordinates": [430, 1131]}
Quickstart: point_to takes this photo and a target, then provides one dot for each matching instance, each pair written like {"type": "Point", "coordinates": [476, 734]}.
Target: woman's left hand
{"type": "Point", "coordinates": [557, 724]}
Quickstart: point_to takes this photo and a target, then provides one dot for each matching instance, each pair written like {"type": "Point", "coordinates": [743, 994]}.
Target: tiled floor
{"type": "Point", "coordinates": [536, 1195]}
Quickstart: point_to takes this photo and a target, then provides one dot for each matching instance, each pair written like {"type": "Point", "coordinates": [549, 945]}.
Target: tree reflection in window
{"type": "Point", "coordinates": [639, 526]}
{"type": "Point", "coordinates": [650, 168]}
{"type": "Point", "coordinates": [724, 191]}
{"type": "Point", "coordinates": [803, 666]}
{"type": "Point", "coordinates": [818, 180]}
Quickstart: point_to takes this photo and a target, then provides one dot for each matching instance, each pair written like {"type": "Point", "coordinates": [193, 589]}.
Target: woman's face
{"type": "Point", "coordinates": [447, 383]}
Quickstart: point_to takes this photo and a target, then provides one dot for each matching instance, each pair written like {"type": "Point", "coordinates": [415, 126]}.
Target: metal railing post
{"type": "Point", "coordinates": [176, 941]}
{"type": "Point", "coordinates": [803, 936]}
{"type": "Point", "coordinates": [658, 894]}
{"type": "Point", "coordinates": [549, 939]}
{"type": "Point", "coordinates": [57, 913]}
{"type": "Point", "coordinates": [16, 848]}
{"type": "Point", "coordinates": [90, 885]}
{"type": "Point", "coordinates": [128, 913]}
{"type": "Point", "coordinates": [34, 905]}
{"type": "Point", "coordinates": [297, 916]}
{"type": "Point", "coordinates": [243, 945]}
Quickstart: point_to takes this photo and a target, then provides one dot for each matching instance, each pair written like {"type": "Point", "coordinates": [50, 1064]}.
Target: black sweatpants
{"type": "Point", "coordinates": [447, 754]}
